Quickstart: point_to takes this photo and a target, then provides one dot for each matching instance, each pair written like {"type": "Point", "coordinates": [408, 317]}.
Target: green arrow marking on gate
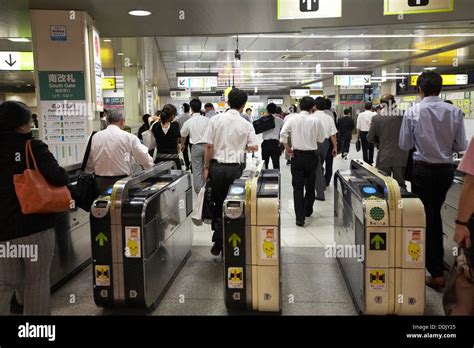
{"type": "Point", "coordinates": [377, 240]}
{"type": "Point", "coordinates": [101, 238]}
{"type": "Point", "coordinates": [234, 239]}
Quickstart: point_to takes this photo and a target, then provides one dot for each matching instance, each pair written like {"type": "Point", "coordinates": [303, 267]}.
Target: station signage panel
{"type": "Point", "coordinates": [300, 92]}
{"type": "Point", "coordinates": [16, 61]}
{"type": "Point", "coordinates": [180, 94]}
{"type": "Point", "coordinates": [277, 101]}
{"type": "Point", "coordinates": [198, 82]}
{"type": "Point", "coordinates": [305, 9]}
{"type": "Point", "coordinates": [448, 80]}
{"type": "Point", "coordinates": [353, 80]}
{"type": "Point", "coordinates": [397, 7]}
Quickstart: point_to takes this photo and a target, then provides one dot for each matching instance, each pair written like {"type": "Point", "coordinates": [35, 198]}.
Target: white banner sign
{"type": "Point", "coordinates": [304, 9]}
{"type": "Point", "coordinates": [352, 80]}
{"type": "Point", "coordinates": [299, 93]}
{"type": "Point", "coordinates": [197, 82]}
{"type": "Point", "coordinates": [98, 71]}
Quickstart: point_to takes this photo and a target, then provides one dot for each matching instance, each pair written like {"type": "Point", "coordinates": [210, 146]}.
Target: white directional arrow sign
{"type": "Point", "coordinates": [16, 61]}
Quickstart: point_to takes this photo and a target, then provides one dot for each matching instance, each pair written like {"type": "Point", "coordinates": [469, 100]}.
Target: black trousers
{"type": "Point", "coordinates": [367, 148]}
{"type": "Point", "coordinates": [222, 176]}
{"type": "Point", "coordinates": [303, 171]}
{"type": "Point", "coordinates": [431, 184]}
{"type": "Point", "coordinates": [175, 160]}
{"type": "Point", "coordinates": [345, 144]}
{"type": "Point", "coordinates": [186, 151]}
{"type": "Point", "coordinates": [329, 161]}
{"type": "Point", "coordinates": [271, 149]}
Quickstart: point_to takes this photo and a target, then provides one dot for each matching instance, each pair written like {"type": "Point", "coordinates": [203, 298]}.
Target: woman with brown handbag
{"type": "Point", "coordinates": [26, 241]}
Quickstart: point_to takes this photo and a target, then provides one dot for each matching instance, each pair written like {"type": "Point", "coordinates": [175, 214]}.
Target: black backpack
{"type": "Point", "coordinates": [264, 124]}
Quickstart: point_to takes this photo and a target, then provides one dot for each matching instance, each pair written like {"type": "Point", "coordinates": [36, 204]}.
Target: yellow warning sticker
{"type": "Point", "coordinates": [102, 275]}
{"type": "Point", "coordinates": [269, 243]}
{"type": "Point", "coordinates": [415, 245]}
{"type": "Point", "coordinates": [235, 278]}
{"type": "Point", "coordinates": [377, 280]}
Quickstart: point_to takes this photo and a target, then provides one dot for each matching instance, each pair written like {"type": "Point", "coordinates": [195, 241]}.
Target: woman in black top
{"type": "Point", "coordinates": [167, 136]}
{"type": "Point", "coordinates": [36, 231]}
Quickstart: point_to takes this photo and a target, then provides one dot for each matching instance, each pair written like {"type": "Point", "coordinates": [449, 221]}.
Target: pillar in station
{"type": "Point", "coordinates": [389, 87]}
{"type": "Point", "coordinates": [133, 92]}
{"type": "Point", "coordinates": [69, 80]}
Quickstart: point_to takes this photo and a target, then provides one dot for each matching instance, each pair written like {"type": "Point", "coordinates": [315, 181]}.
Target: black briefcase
{"type": "Point", "coordinates": [264, 124]}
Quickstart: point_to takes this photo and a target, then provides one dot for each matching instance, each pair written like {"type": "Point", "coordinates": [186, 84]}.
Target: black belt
{"type": "Point", "coordinates": [310, 152]}
{"type": "Point", "coordinates": [434, 165]}
{"type": "Point", "coordinates": [273, 140]}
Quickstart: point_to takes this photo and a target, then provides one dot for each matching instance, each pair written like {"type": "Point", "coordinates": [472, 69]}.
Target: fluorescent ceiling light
{"type": "Point", "coordinates": [107, 40]}
{"type": "Point", "coordinates": [120, 54]}
{"type": "Point", "coordinates": [431, 68]}
{"type": "Point", "coordinates": [357, 36]}
{"type": "Point", "coordinates": [305, 51]}
{"type": "Point", "coordinates": [284, 61]}
{"type": "Point", "coordinates": [19, 39]}
{"type": "Point", "coordinates": [139, 13]}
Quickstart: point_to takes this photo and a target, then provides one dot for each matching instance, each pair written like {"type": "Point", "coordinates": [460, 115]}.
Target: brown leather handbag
{"type": "Point", "coordinates": [35, 194]}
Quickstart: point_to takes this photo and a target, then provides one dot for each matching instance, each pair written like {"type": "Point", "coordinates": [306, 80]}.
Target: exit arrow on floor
{"type": "Point", "coordinates": [9, 61]}
{"type": "Point", "coordinates": [235, 239]}
{"type": "Point", "coordinates": [377, 240]}
{"type": "Point", "coordinates": [101, 238]}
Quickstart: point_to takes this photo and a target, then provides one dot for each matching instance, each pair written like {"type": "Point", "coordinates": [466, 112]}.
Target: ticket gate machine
{"type": "Point", "coordinates": [141, 236]}
{"type": "Point", "coordinates": [371, 210]}
{"type": "Point", "coordinates": [252, 242]}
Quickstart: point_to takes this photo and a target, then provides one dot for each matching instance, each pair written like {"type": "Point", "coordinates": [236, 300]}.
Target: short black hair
{"type": "Point", "coordinates": [430, 83]}
{"type": "Point", "coordinates": [320, 103]}
{"type": "Point", "coordinates": [13, 115]}
{"type": "Point", "coordinates": [186, 107]}
{"type": "Point", "coordinates": [448, 102]}
{"type": "Point", "coordinates": [368, 106]}
{"type": "Point", "coordinates": [145, 118]}
{"type": "Point", "coordinates": [248, 109]}
{"type": "Point", "coordinates": [237, 99]}
{"type": "Point", "coordinates": [209, 105]}
{"type": "Point", "coordinates": [307, 104]}
{"type": "Point", "coordinates": [328, 103]}
{"type": "Point", "coordinates": [347, 111]}
{"type": "Point", "coordinates": [293, 109]}
{"type": "Point", "coordinates": [169, 110]}
{"type": "Point", "coordinates": [272, 108]}
{"type": "Point", "coordinates": [196, 105]}
{"type": "Point", "coordinates": [279, 110]}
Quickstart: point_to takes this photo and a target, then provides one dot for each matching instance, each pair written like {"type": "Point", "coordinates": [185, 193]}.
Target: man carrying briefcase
{"type": "Point", "coordinates": [270, 127]}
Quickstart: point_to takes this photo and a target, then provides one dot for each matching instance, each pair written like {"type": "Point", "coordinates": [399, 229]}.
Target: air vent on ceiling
{"type": "Point", "coordinates": [295, 56]}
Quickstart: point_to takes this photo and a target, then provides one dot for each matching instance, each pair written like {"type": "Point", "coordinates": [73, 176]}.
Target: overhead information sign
{"type": "Point", "coordinates": [180, 95]}
{"type": "Point", "coordinates": [353, 80]}
{"type": "Point", "coordinates": [397, 7]}
{"type": "Point", "coordinates": [300, 92]}
{"type": "Point", "coordinates": [304, 9]}
{"type": "Point", "coordinates": [448, 80]}
{"type": "Point", "coordinates": [277, 101]}
{"type": "Point", "coordinates": [197, 81]}
{"type": "Point", "coordinates": [108, 83]}
{"type": "Point", "coordinates": [16, 61]}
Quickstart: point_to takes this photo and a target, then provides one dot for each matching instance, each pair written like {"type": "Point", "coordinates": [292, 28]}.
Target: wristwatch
{"type": "Point", "coordinates": [461, 223]}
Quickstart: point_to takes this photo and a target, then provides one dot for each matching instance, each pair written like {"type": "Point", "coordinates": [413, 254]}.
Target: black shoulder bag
{"type": "Point", "coordinates": [86, 189]}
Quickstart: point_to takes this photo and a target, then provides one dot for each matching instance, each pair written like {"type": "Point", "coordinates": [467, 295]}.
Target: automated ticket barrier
{"type": "Point", "coordinates": [141, 236]}
{"type": "Point", "coordinates": [252, 242]}
{"type": "Point", "coordinates": [389, 223]}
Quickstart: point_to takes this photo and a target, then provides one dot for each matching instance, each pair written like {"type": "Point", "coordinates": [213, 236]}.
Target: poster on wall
{"type": "Point", "coordinates": [98, 71]}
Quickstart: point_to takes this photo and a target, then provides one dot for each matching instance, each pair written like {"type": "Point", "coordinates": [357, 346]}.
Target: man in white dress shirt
{"type": "Point", "coordinates": [306, 132]}
{"type": "Point", "coordinates": [228, 139]}
{"type": "Point", "coordinates": [196, 128]}
{"type": "Point", "coordinates": [271, 140]}
{"type": "Point", "coordinates": [112, 150]}
{"type": "Point", "coordinates": [363, 126]}
{"type": "Point", "coordinates": [330, 131]}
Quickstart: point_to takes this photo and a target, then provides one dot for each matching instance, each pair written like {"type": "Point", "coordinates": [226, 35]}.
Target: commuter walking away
{"type": "Point", "coordinates": [436, 130]}
{"type": "Point", "coordinates": [333, 149]}
{"type": "Point", "coordinates": [29, 273]}
{"type": "Point", "coordinates": [363, 125]}
{"type": "Point", "coordinates": [306, 132]}
{"type": "Point", "coordinates": [210, 111]}
{"type": "Point", "coordinates": [195, 129]}
{"type": "Point", "coordinates": [228, 139]}
{"type": "Point", "coordinates": [385, 132]}
{"type": "Point", "coordinates": [113, 151]}
{"type": "Point", "coordinates": [346, 127]}
{"type": "Point", "coordinates": [181, 119]}
{"type": "Point", "coordinates": [271, 140]}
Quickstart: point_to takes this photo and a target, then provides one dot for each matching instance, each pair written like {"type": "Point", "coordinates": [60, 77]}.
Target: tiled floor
{"type": "Point", "coordinates": [312, 284]}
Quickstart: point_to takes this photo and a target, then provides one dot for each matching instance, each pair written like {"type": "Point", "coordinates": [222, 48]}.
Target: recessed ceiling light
{"type": "Point", "coordinates": [120, 54]}
{"type": "Point", "coordinates": [107, 40]}
{"type": "Point", "coordinates": [139, 13]}
{"type": "Point", "coordinates": [19, 39]}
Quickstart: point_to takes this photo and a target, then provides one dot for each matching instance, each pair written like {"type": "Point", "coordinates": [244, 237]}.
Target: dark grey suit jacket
{"type": "Point", "coordinates": [385, 131]}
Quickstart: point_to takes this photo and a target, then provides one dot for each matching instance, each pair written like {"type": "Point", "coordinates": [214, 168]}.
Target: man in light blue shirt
{"type": "Point", "coordinates": [436, 130]}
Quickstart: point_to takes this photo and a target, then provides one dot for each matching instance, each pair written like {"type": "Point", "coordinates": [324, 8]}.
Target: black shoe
{"type": "Point", "coordinates": [15, 307]}
{"type": "Point", "coordinates": [308, 214]}
{"type": "Point", "coordinates": [299, 223]}
{"type": "Point", "coordinates": [216, 249]}
{"type": "Point", "coordinates": [320, 199]}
